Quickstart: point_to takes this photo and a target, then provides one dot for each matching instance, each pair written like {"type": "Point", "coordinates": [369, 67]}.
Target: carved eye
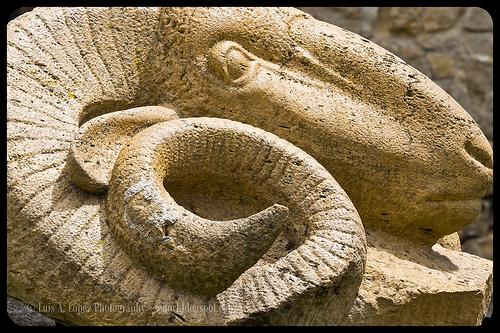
{"type": "Point", "coordinates": [232, 63]}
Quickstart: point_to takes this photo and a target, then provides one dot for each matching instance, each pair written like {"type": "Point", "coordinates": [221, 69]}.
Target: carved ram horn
{"type": "Point", "coordinates": [193, 253]}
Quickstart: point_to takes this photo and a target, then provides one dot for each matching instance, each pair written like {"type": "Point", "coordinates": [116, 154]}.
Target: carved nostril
{"type": "Point", "coordinates": [479, 153]}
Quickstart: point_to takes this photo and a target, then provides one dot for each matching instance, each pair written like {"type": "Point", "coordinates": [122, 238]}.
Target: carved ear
{"type": "Point", "coordinates": [232, 63]}
{"type": "Point", "coordinates": [100, 140]}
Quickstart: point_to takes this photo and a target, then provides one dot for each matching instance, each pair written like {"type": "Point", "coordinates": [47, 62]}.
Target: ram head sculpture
{"type": "Point", "coordinates": [253, 164]}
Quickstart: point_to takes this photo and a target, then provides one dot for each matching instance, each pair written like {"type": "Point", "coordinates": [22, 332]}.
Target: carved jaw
{"type": "Point", "coordinates": [377, 124]}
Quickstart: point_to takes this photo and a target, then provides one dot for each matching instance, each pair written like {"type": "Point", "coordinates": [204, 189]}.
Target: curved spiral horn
{"type": "Point", "coordinates": [192, 253]}
{"type": "Point", "coordinates": [206, 256]}
{"type": "Point", "coordinates": [100, 140]}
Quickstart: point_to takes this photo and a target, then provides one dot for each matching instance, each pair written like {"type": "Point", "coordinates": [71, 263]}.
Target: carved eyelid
{"type": "Point", "coordinates": [219, 59]}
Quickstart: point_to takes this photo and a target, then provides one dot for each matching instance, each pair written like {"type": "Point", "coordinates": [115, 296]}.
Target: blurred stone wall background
{"type": "Point", "coordinates": [451, 45]}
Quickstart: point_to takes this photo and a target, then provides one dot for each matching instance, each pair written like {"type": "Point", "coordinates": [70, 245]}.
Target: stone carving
{"type": "Point", "coordinates": [166, 156]}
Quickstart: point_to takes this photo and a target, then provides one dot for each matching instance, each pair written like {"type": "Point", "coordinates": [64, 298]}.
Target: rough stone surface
{"type": "Point", "coordinates": [24, 315]}
{"type": "Point", "coordinates": [256, 218]}
{"type": "Point", "coordinates": [451, 242]}
{"type": "Point", "coordinates": [395, 292]}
